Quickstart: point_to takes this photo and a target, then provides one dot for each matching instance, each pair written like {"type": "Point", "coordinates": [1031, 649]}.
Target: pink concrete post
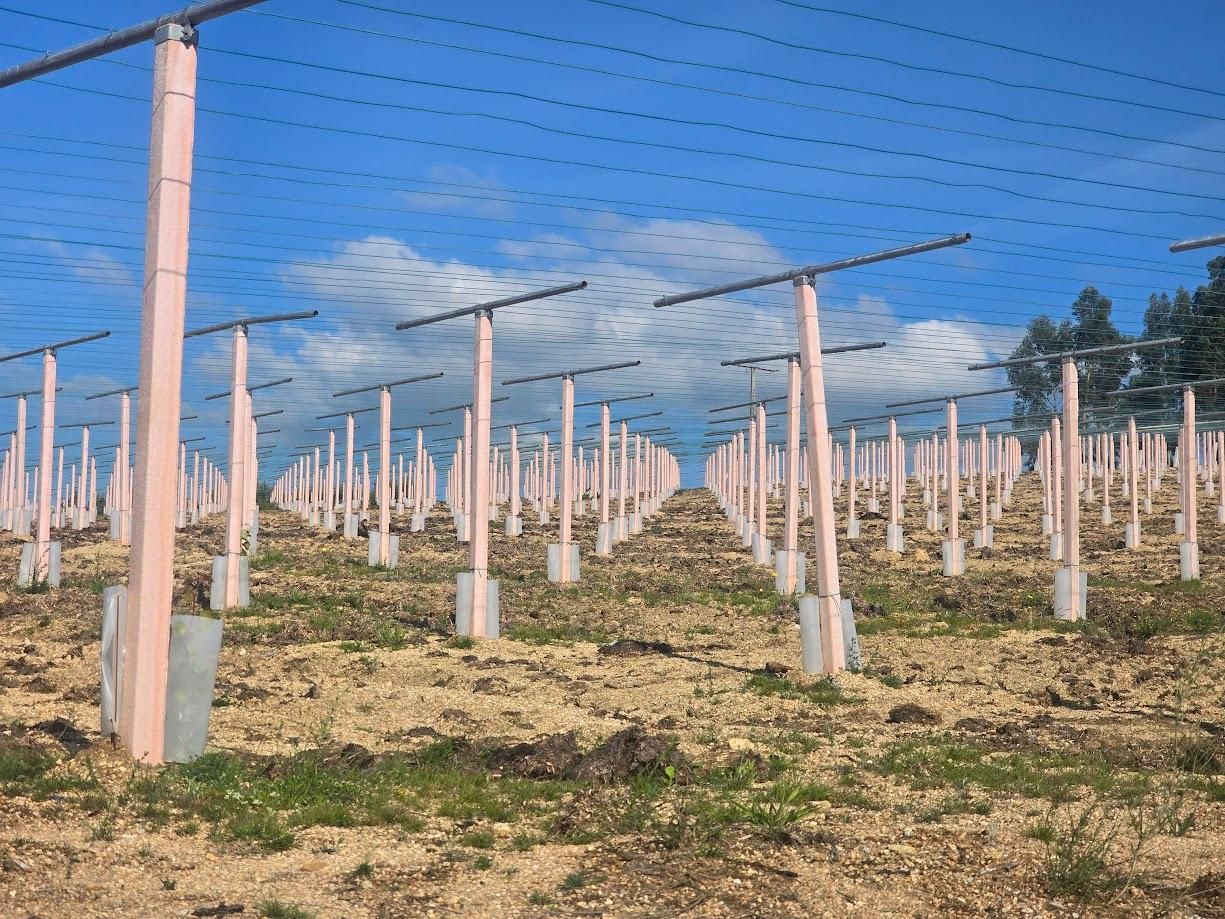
{"type": "Point", "coordinates": [465, 481]}
{"type": "Point", "coordinates": [567, 479]}
{"type": "Point", "coordinates": [1069, 592]}
{"type": "Point", "coordinates": [852, 522]}
{"type": "Point", "coordinates": [984, 537]}
{"type": "Point", "coordinates": [57, 515]}
{"type": "Point", "coordinates": [1189, 549]}
{"type": "Point", "coordinates": [604, 546]}
{"type": "Point", "coordinates": [238, 459]}
{"type": "Point", "coordinates": [195, 487]}
{"type": "Point", "coordinates": [953, 547]}
{"type": "Point", "coordinates": [84, 511]}
{"type": "Point", "coordinates": [516, 475]}
{"type": "Point", "coordinates": [622, 484]}
{"type": "Point", "coordinates": [181, 507]}
{"type": "Point", "coordinates": [478, 506]}
{"type": "Point", "coordinates": [829, 591]}
{"type": "Point", "coordinates": [123, 491]}
{"type": "Point", "coordinates": [349, 474]}
{"type": "Point", "coordinates": [761, 544]}
{"type": "Point", "coordinates": [46, 450]}
{"type": "Point", "coordinates": [787, 581]}
{"type": "Point", "coordinates": [19, 469]}
{"type": "Point", "coordinates": [894, 538]}
{"type": "Point", "coordinates": [384, 483]}
{"type": "Point", "coordinates": [330, 513]}
{"type": "Point", "coordinates": [142, 704]}
{"type": "Point", "coordinates": [1131, 534]}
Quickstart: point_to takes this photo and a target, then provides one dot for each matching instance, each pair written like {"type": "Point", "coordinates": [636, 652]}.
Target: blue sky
{"type": "Point", "coordinates": [407, 196]}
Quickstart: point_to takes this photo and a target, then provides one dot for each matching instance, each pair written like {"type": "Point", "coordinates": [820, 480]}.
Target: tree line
{"type": "Point", "coordinates": [1198, 318]}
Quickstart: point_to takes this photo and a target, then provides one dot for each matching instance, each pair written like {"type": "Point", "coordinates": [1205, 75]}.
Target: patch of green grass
{"type": "Point", "coordinates": [958, 803]}
{"type": "Point", "coordinates": [536, 898]}
{"type": "Point", "coordinates": [103, 830]}
{"type": "Point", "coordinates": [1200, 755]}
{"type": "Point", "coordinates": [390, 636]}
{"type": "Point", "coordinates": [1150, 624]}
{"type": "Point", "coordinates": [559, 633]}
{"type": "Point", "coordinates": [1077, 853]}
{"type": "Point", "coordinates": [780, 809]}
{"type": "Point", "coordinates": [825, 691]}
{"type": "Point", "coordinates": [482, 862]}
{"type": "Point", "coordinates": [268, 558]}
{"type": "Point", "coordinates": [478, 839]}
{"type": "Point", "coordinates": [461, 642]}
{"type": "Point", "coordinates": [936, 763]}
{"type": "Point", "coordinates": [31, 774]}
{"type": "Point", "coordinates": [264, 801]}
{"type": "Point", "coordinates": [522, 842]}
{"type": "Point", "coordinates": [275, 909]}
{"type": "Point", "coordinates": [577, 880]}
{"type": "Point", "coordinates": [890, 679]}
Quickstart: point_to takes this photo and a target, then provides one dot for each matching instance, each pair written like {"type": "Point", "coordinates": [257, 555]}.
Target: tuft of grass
{"type": "Point", "coordinates": [275, 909]}
{"type": "Point", "coordinates": [478, 839]}
{"type": "Point", "coordinates": [264, 801]}
{"type": "Point", "coordinates": [825, 691]}
{"type": "Point", "coordinates": [461, 642]}
{"type": "Point", "coordinates": [577, 880]}
{"type": "Point", "coordinates": [929, 763]}
{"type": "Point", "coordinates": [560, 633]}
{"type": "Point", "coordinates": [781, 809]}
{"type": "Point", "coordinates": [390, 637]}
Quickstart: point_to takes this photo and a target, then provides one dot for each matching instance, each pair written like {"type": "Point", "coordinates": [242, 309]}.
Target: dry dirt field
{"type": "Point", "coordinates": [642, 744]}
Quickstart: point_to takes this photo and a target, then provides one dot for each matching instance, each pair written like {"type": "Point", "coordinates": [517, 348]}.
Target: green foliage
{"type": "Point", "coordinates": [265, 801]}
{"type": "Point", "coordinates": [275, 909]}
{"type": "Point", "coordinates": [560, 633]}
{"type": "Point", "coordinates": [1091, 327]}
{"type": "Point", "coordinates": [941, 763]}
{"type": "Point", "coordinates": [824, 691]}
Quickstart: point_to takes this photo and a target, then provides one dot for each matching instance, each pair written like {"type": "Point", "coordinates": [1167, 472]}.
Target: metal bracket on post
{"type": "Point", "coordinates": [174, 31]}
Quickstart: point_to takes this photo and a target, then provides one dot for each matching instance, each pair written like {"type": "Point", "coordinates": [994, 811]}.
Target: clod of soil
{"type": "Point", "coordinates": [632, 647]}
{"type": "Point", "coordinates": [628, 753]}
{"type": "Point", "coordinates": [910, 713]}
{"type": "Point", "coordinates": [549, 758]}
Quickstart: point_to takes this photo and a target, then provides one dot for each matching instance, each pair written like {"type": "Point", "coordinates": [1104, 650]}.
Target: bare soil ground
{"type": "Point", "coordinates": [643, 743]}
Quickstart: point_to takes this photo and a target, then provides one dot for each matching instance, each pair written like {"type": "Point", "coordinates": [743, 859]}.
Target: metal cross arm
{"type": "Point", "coordinates": [250, 389]}
{"type": "Point", "coordinates": [112, 392]}
{"type": "Point", "coordinates": [84, 424]}
{"type": "Point", "coordinates": [1168, 387]}
{"type": "Point", "coordinates": [795, 356]}
{"type": "Point", "coordinates": [626, 418]}
{"type": "Point", "coordinates": [610, 401]}
{"type": "Point", "coordinates": [519, 424]}
{"type": "Point", "coordinates": [250, 321]}
{"type": "Point", "coordinates": [492, 305]}
{"type": "Point", "coordinates": [351, 411]}
{"type": "Point", "coordinates": [53, 347]}
{"type": "Point", "coordinates": [1203, 242]}
{"type": "Point", "coordinates": [814, 270]}
{"type": "Point", "coordinates": [416, 379]}
{"type": "Point", "coordinates": [569, 374]}
{"type": "Point", "coordinates": [1072, 355]}
{"type": "Point", "coordinates": [958, 396]}
{"type": "Point", "coordinates": [728, 408]}
{"type": "Point", "coordinates": [414, 427]}
{"type": "Point", "coordinates": [461, 407]}
{"type": "Point", "coordinates": [188, 17]}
